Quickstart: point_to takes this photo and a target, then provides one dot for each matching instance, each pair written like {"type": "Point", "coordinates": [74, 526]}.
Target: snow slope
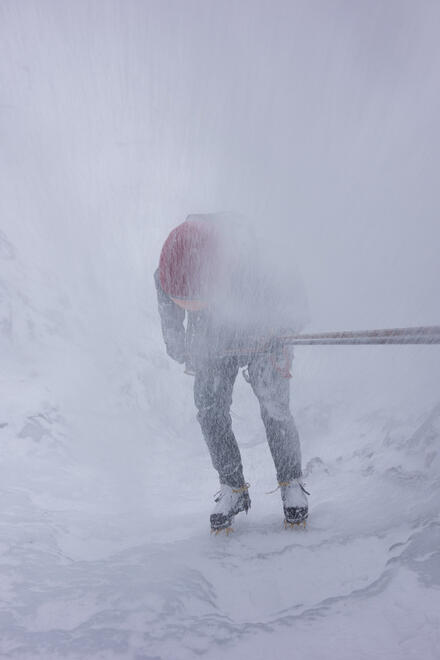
{"type": "Point", "coordinates": [116, 120]}
{"type": "Point", "coordinates": [106, 491]}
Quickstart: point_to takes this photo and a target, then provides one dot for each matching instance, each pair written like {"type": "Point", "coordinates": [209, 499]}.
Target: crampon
{"type": "Point", "coordinates": [226, 530]}
{"type": "Point", "coordinates": [295, 505]}
{"type": "Point", "coordinates": [229, 502]}
{"type": "Point", "coordinates": [292, 525]}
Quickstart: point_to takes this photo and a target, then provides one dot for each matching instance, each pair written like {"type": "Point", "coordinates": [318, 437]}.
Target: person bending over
{"type": "Point", "coordinates": [237, 305]}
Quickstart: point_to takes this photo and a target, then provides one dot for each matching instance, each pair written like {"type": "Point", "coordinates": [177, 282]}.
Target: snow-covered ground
{"type": "Point", "coordinates": [106, 490]}
{"type": "Point", "coordinates": [116, 120]}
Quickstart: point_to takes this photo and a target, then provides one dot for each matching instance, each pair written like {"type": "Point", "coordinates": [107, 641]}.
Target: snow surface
{"type": "Point", "coordinates": [118, 119]}
{"type": "Point", "coordinates": [106, 493]}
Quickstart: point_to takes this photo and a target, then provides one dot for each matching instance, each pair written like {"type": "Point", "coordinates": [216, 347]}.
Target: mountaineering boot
{"type": "Point", "coordinates": [229, 502]}
{"type": "Point", "coordinates": [294, 497]}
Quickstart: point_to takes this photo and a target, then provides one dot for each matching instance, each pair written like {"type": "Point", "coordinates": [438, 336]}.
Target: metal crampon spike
{"type": "Point", "coordinates": [291, 525]}
{"type": "Point", "coordinates": [227, 531]}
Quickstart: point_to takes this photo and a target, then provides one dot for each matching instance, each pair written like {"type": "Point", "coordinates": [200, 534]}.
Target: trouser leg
{"type": "Point", "coordinates": [272, 388]}
{"type": "Point", "coordinates": [213, 387]}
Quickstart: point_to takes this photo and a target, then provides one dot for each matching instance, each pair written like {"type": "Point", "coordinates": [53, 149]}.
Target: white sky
{"type": "Point", "coordinates": [318, 119]}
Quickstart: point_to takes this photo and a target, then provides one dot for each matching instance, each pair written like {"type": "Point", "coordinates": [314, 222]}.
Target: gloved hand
{"type": "Point", "coordinates": [176, 355]}
{"type": "Point", "coordinates": [189, 367]}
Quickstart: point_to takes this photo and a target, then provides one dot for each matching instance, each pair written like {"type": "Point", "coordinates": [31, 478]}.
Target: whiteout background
{"type": "Point", "coordinates": [319, 120]}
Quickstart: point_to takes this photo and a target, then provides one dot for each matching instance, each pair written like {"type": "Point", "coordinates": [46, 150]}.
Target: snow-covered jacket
{"type": "Point", "coordinates": [240, 332]}
{"type": "Point", "coordinates": [200, 340]}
